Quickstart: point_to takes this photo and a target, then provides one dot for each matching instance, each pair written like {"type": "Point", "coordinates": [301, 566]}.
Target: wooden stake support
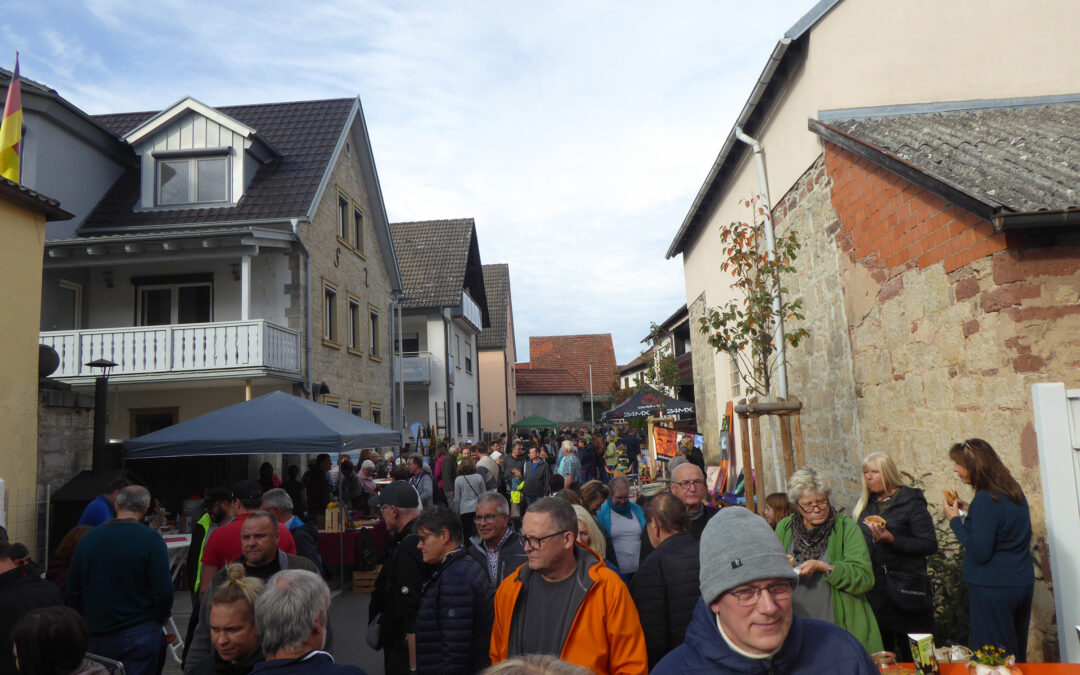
{"type": "Point", "coordinates": [791, 438]}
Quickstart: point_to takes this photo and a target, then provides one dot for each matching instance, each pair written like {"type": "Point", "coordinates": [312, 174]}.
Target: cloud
{"type": "Point", "coordinates": [576, 133]}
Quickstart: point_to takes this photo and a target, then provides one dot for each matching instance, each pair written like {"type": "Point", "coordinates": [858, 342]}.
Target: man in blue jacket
{"type": "Point", "coordinates": [744, 623]}
{"type": "Point", "coordinates": [457, 605]}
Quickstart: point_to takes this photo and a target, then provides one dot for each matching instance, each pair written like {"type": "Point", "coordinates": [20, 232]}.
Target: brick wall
{"type": "Point", "coordinates": [893, 225]}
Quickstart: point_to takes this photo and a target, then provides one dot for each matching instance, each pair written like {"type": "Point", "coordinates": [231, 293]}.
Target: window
{"type": "Point", "coordinates": [734, 379]}
{"type": "Point", "coordinates": [469, 419]}
{"type": "Point", "coordinates": [329, 313]}
{"type": "Point", "coordinates": [68, 306]}
{"type": "Point", "coordinates": [373, 328]}
{"type": "Point", "coordinates": [457, 357]}
{"type": "Point", "coordinates": [376, 415]}
{"type": "Point", "coordinates": [354, 324]}
{"type": "Point", "coordinates": [164, 304]}
{"type": "Point", "coordinates": [195, 180]}
{"type": "Point", "coordinates": [342, 216]}
{"type": "Point", "coordinates": [148, 420]}
{"type": "Point", "coordinates": [332, 402]}
{"type": "Point", "coordinates": [459, 417]}
{"type": "Point", "coordinates": [358, 230]}
{"type": "Point", "coordinates": [468, 358]}
{"type": "Point", "coordinates": [410, 343]}
{"type": "Point", "coordinates": [357, 409]}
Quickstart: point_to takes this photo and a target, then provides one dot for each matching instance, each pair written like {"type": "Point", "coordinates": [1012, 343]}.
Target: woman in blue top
{"type": "Point", "coordinates": [996, 534]}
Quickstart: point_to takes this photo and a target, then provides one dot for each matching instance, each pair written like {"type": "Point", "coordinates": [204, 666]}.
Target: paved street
{"type": "Point", "coordinates": [348, 617]}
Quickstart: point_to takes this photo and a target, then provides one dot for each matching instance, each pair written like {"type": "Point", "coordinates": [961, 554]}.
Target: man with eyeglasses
{"type": "Point", "coordinates": [396, 600]}
{"type": "Point", "coordinates": [496, 545]}
{"type": "Point", "coordinates": [744, 622]}
{"type": "Point", "coordinates": [566, 602]}
{"type": "Point", "coordinates": [688, 484]}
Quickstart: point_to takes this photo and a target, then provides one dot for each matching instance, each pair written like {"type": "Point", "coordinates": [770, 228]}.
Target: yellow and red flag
{"type": "Point", "coordinates": [11, 128]}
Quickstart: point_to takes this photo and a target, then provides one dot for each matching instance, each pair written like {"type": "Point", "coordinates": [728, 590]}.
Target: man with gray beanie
{"type": "Point", "coordinates": [744, 623]}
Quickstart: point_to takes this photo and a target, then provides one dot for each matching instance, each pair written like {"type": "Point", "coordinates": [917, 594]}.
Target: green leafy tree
{"type": "Point", "coordinates": [745, 327]}
{"type": "Point", "coordinates": [662, 373]}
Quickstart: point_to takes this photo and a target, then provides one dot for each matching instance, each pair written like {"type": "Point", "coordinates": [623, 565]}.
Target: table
{"type": "Point", "coordinates": [1025, 668]}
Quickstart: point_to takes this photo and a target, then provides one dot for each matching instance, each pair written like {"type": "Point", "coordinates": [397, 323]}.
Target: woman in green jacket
{"type": "Point", "coordinates": [834, 568]}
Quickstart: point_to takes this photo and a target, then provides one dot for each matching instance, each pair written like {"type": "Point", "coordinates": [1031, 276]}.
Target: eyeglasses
{"type": "Point", "coordinates": [687, 484]}
{"type": "Point", "coordinates": [537, 542]}
{"type": "Point", "coordinates": [490, 518]}
{"type": "Point", "coordinates": [748, 595]}
{"type": "Point", "coordinates": [820, 505]}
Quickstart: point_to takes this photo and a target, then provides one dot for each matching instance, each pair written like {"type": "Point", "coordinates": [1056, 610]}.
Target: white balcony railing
{"type": "Point", "coordinates": [177, 348]}
{"type": "Point", "coordinates": [416, 367]}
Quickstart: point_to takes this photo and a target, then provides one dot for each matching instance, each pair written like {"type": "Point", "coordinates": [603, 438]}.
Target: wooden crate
{"type": "Point", "coordinates": [364, 582]}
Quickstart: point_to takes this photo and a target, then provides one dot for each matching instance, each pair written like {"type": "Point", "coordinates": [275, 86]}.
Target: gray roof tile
{"type": "Point", "coordinates": [305, 134]}
{"type": "Point", "coordinates": [497, 285]}
{"type": "Point", "coordinates": [433, 256]}
{"type": "Point", "coordinates": [1013, 158]}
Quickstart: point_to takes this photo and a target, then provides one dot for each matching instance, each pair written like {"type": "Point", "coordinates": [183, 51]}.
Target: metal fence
{"type": "Point", "coordinates": [27, 511]}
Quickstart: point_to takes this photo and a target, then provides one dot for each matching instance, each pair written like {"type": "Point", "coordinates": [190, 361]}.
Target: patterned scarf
{"type": "Point", "coordinates": [810, 544]}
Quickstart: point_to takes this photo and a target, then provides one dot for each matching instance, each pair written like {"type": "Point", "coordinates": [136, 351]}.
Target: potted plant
{"type": "Point", "coordinates": [989, 660]}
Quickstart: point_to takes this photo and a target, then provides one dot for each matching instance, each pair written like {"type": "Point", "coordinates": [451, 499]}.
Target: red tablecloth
{"type": "Point", "coordinates": [330, 545]}
{"type": "Point", "coordinates": [1025, 668]}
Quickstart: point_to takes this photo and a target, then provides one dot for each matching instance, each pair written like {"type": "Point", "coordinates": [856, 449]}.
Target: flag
{"type": "Point", "coordinates": [11, 128]}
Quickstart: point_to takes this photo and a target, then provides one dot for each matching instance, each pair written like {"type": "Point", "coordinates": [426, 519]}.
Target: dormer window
{"type": "Point", "coordinates": [192, 178]}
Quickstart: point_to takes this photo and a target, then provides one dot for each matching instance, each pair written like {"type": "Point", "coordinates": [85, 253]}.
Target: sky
{"type": "Point", "coordinates": [576, 134]}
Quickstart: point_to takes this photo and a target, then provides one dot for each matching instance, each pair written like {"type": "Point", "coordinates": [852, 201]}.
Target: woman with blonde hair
{"type": "Point", "coordinates": [831, 559]}
{"type": "Point", "coordinates": [588, 532]}
{"type": "Point", "coordinates": [232, 626]}
{"type": "Point", "coordinates": [899, 534]}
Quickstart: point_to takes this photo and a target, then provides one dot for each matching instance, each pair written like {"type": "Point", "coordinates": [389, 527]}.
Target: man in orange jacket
{"type": "Point", "coordinates": [566, 602]}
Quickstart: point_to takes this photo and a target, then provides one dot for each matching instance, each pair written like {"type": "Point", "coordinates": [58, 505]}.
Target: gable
{"type": "Point", "coordinates": [575, 354]}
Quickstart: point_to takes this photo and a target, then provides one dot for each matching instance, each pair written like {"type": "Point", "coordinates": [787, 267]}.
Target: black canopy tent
{"type": "Point", "coordinates": [648, 402]}
{"type": "Point", "coordinates": [274, 423]}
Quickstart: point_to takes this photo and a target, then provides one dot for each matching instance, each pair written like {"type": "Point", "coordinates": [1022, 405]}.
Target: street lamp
{"type": "Point", "coordinates": [101, 395]}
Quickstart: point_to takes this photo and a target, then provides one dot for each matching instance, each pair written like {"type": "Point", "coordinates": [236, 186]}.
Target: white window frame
{"type": "Point", "coordinates": [330, 295]}
{"type": "Point", "coordinates": [193, 179]}
{"type": "Point", "coordinates": [78, 289]}
{"type": "Point", "coordinates": [733, 378]}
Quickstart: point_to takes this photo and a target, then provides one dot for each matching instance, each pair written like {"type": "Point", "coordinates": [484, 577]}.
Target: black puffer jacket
{"type": "Point", "coordinates": [453, 628]}
{"type": "Point", "coordinates": [22, 590]}
{"type": "Point", "coordinates": [908, 519]}
{"type": "Point", "coordinates": [665, 590]}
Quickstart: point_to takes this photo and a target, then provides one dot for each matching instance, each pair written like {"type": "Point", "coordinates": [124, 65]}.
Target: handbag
{"type": "Point", "coordinates": [374, 632]}
{"type": "Point", "coordinates": [910, 592]}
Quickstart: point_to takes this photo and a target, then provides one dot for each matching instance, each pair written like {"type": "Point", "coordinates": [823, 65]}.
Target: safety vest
{"type": "Point", "coordinates": [206, 523]}
{"type": "Point", "coordinates": [515, 491]}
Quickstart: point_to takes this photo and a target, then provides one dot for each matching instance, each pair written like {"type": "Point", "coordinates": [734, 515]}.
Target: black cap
{"type": "Point", "coordinates": [247, 489]}
{"type": "Point", "coordinates": [399, 494]}
{"type": "Point", "coordinates": [215, 495]}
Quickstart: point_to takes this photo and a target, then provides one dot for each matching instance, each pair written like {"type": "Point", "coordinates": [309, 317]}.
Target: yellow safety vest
{"type": "Point", "coordinates": [515, 494]}
{"type": "Point", "coordinates": [205, 522]}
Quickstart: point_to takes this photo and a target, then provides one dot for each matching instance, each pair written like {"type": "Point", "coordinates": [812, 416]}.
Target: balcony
{"type": "Point", "coordinates": [216, 349]}
{"type": "Point", "coordinates": [470, 311]}
{"type": "Point", "coordinates": [416, 368]}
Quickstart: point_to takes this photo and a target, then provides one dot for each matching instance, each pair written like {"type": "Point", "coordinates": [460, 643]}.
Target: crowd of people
{"type": "Point", "coordinates": [490, 568]}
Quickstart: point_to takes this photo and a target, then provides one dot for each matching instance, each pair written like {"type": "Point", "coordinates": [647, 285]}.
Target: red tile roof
{"type": "Point", "coordinates": [574, 353]}
{"type": "Point", "coordinates": [547, 381]}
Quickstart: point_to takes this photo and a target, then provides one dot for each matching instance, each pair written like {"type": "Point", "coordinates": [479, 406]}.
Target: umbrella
{"type": "Point", "coordinates": [648, 402]}
{"type": "Point", "coordinates": [534, 422]}
{"type": "Point", "coordinates": [274, 423]}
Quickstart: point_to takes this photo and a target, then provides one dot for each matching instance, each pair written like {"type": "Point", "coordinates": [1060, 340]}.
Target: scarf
{"type": "Point", "coordinates": [810, 544]}
{"type": "Point", "coordinates": [621, 510]}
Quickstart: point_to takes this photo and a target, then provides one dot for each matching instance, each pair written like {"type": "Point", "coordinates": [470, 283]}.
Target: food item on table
{"type": "Point", "coordinates": [922, 653]}
{"type": "Point", "coordinates": [876, 521]}
{"type": "Point", "coordinates": [951, 497]}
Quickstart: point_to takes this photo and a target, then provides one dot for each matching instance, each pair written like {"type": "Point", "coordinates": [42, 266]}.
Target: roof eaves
{"type": "Point", "coordinates": [747, 115]}
{"type": "Point", "coordinates": [987, 210]}
{"type": "Point", "coordinates": [32, 201]}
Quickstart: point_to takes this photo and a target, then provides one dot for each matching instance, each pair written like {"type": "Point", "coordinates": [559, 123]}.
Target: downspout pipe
{"type": "Point", "coordinates": [770, 251]}
{"type": "Point", "coordinates": [394, 412]}
{"type": "Point", "coordinates": [295, 222]}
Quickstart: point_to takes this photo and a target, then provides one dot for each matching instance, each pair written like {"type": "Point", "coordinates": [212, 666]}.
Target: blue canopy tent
{"type": "Point", "coordinates": [274, 423]}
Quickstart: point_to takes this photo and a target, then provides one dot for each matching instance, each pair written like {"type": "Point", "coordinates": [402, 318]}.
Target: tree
{"type": "Point", "coordinates": [662, 373]}
{"type": "Point", "coordinates": [745, 327]}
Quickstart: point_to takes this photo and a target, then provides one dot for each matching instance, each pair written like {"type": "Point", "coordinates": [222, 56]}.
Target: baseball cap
{"type": "Point", "coordinates": [399, 494]}
{"type": "Point", "coordinates": [215, 495]}
{"type": "Point", "coordinates": [247, 489]}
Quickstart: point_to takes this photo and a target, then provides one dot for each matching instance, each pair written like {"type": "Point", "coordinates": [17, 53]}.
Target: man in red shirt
{"type": "Point", "coordinates": [223, 546]}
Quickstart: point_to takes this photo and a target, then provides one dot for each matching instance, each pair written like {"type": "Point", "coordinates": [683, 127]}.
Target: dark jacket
{"type": "Point", "coordinates": [997, 541]}
{"type": "Point", "coordinates": [306, 537]}
{"type": "Point", "coordinates": [509, 464]}
{"type": "Point", "coordinates": [697, 526]}
{"type": "Point", "coordinates": [214, 665]}
{"type": "Point", "coordinates": [312, 663]}
{"type": "Point", "coordinates": [453, 626]}
{"type": "Point", "coordinates": [908, 519]}
{"type": "Point", "coordinates": [537, 479]}
{"type": "Point", "coordinates": [812, 648]}
{"type": "Point", "coordinates": [665, 590]}
{"type": "Point", "coordinates": [200, 647]}
{"type": "Point", "coordinates": [511, 554]}
{"type": "Point", "coordinates": [398, 587]}
{"type": "Point", "coordinates": [21, 591]}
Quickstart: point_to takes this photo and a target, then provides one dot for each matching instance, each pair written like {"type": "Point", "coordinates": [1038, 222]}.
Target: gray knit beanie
{"type": "Point", "coordinates": [738, 547]}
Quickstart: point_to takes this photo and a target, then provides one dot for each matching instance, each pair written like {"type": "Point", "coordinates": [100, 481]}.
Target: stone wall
{"type": "Point", "coordinates": [65, 433]}
{"type": "Point", "coordinates": [706, 393]}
